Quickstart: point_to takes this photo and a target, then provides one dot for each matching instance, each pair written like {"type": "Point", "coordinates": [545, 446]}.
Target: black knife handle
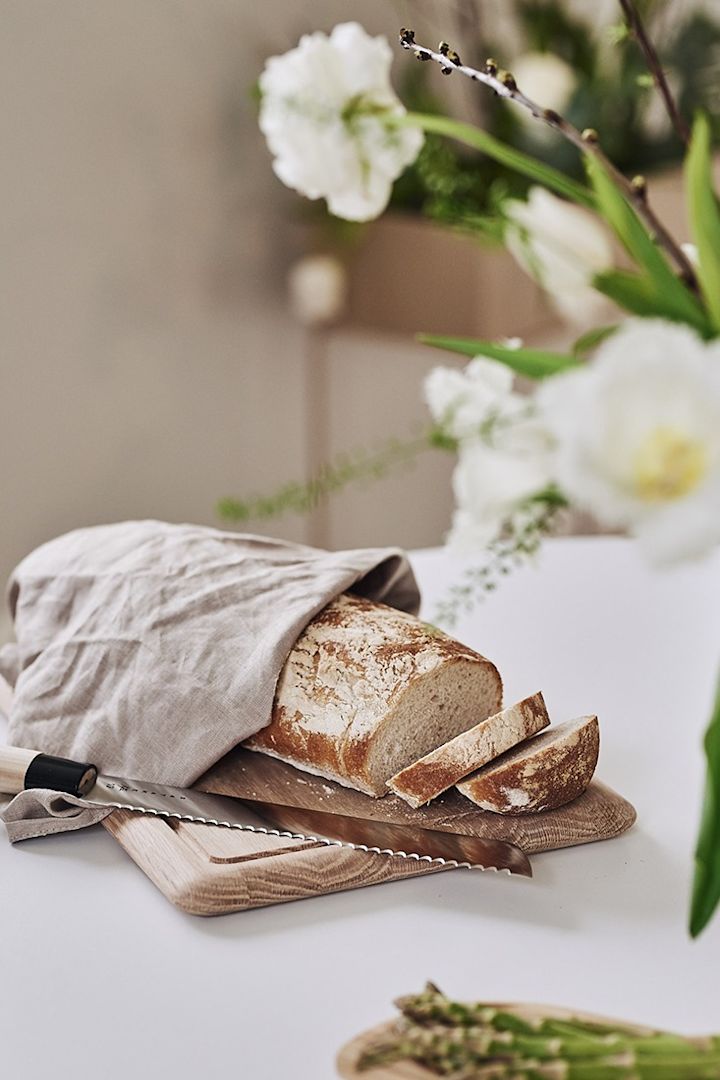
{"type": "Point", "coordinates": [22, 769]}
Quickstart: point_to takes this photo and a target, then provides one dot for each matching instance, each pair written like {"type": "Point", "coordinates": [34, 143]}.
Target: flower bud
{"type": "Point", "coordinates": [317, 288]}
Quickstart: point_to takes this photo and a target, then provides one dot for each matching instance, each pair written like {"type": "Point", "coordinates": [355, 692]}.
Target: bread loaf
{"type": "Point", "coordinates": [368, 689]}
{"type": "Point", "coordinates": [545, 772]}
{"type": "Point", "coordinates": [440, 769]}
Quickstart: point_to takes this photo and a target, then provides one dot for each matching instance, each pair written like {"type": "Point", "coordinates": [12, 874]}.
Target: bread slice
{"type": "Point", "coordinates": [546, 772]}
{"type": "Point", "coordinates": [441, 768]}
{"type": "Point", "coordinates": [368, 689]}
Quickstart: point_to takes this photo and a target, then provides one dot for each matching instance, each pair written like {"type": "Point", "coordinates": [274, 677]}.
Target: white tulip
{"type": "Point", "coordinates": [562, 246]}
{"type": "Point", "coordinates": [638, 436]}
{"type": "Point", "coordinates": [326, 111]}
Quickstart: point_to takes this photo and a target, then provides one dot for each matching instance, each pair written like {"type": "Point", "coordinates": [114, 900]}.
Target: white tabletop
{"type": "Point", "coordinates": [98, 967]}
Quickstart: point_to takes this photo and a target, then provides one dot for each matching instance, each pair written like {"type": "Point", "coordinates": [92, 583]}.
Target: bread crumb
{"type": "Point", "coordinates": [516, 796]}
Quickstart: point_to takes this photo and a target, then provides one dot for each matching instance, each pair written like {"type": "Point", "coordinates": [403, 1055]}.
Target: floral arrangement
{"type": "Point", "coordinates": [626, 423]}
{"type": "Point", "coordinates": [579, 60]}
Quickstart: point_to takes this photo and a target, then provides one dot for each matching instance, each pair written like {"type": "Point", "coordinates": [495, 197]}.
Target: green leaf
{"type": "Point", "coordinates": [589, 341]}
{"type": "Point", "coordinates": [704, 215]}
{"type": "Point", "coordinates": [623, 219]}
{"type": "Point", "coordinates": [706, 886]}
{"type": "Point", "coordinates": [504, 154]}
{"type": "Point", "coordinates": [667, 295]}
{"type": "Point", "coordinates": [631, 291]}
{"type": "Point", "coordinates": [638, 294]}
{"type": "Point", "coordinates": [532, 363]}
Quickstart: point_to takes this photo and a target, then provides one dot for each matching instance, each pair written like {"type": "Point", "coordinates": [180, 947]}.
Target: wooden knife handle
{"type": "Point", "coordinates": [22, 769]}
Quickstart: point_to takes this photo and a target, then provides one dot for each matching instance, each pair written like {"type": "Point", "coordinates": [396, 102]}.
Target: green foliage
{"type": "Point", "coordinates": [704, 215]}
{"type": "Point", "coordinates": [508, 156]}
{"type": "Point", "coordinates": [588, 342]}
{"type": "Point", "coordinates": [532, 363]}
{"type": "Point", "coordinates": [301, 497]}
{"type": "Point", "coordinates": [656, 290]}
{"type": "Point", "coordinates": [517, 543]}
{"type": "Point", "coordinates": [550, 27]}
{"type": "Point", "coordinates": [706, 886]}
{"type": "Point", "coordinates": [613, 95]}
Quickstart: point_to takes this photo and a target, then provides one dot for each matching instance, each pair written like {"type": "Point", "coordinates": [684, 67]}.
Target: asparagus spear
{"type": "Point", "coordinates": [474, 1041]}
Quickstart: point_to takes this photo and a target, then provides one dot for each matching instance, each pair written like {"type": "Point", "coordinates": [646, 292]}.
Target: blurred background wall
{"type": "Point", "coordinates": [149, 362]}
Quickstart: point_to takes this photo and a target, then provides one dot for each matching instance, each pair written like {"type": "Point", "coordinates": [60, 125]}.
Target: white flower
{"type": "Point", "coordinates": [317, 285]}
{"type": "Point", "coordinates": [461, 402]}
{"type": "Point", "coordinates": [503, 453]}
{"type": "Point", "coordinates": [638, 436]}
{"type": "Point", "coordinates": [562, 246]}
{"type": "Point", "coordinates": [549, 81]}
{"type": "Point", "coordinates": [492, 483]}
{"type": "Point", "coordinates": [326, 111]}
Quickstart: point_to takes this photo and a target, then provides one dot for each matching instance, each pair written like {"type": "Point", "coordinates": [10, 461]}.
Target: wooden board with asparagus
{"type": "Point", "coordinates": [435, 1036]}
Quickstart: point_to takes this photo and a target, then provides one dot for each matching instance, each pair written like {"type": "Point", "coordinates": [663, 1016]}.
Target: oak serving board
{"type": "Point", "coordinates": [210, 871]}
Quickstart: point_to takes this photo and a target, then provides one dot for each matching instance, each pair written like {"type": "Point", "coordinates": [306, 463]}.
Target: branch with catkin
{"type": "Point", "coordinates": [503, 84]}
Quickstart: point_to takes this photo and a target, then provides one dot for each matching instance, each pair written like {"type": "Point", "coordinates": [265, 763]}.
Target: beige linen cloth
{"type": "Point", "coordinates": [152, 649]}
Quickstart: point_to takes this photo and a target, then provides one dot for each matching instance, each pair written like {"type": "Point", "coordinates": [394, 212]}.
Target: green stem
{"type": "Point", "coordinates": [506, 155]}
{"type": "Point", "coordinates": [706, 885]}
{"type": "Point", "coordinates": [303, 496]}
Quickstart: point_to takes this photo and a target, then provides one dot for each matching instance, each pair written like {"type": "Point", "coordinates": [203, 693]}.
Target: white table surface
{"type": "Point", "coordinates": [97, 967]}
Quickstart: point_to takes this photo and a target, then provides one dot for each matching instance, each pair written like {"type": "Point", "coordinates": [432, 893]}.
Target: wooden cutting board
{"type": "Point", "coordinates": [211, 871]}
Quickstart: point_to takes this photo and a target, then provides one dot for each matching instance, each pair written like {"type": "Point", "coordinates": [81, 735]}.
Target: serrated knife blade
{"type": "Point", "coordinates": [22, 769]}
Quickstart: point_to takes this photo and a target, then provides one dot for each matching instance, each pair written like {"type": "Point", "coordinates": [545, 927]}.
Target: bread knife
{"type": "Point", "coordinates": [22, 770]}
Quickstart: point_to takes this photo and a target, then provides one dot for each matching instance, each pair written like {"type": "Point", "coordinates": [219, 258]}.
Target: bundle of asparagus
{"type": "Point", "coordinates": [487, 1042]}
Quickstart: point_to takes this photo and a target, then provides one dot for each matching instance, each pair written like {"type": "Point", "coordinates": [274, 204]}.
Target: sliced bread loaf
{"type": "Point", "coordinates": [546, 772]}
{"type": "Point", "coordinates": [368, 689]}
{"type": "Point", "coordinates": [441, 768]}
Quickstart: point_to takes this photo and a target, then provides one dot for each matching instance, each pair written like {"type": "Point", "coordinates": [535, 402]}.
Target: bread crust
{"type": "Point", "coordinates": [344, 680]}
{"type": "Point", "coordinates": [439, 770]}
{"type": "Point", "coordinates": [549, 771]}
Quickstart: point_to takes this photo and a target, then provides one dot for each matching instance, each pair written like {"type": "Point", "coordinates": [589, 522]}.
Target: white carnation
{"type": "Point", "coordinates": [638, 436]}
{"type": "Point", "coordinates": [562, 246]}
{"type": "Point", "coordinates": [326, 111]}
{"type": "Point", "coordinates": [504, 451]}
{"type": "Point", "coordinates": [492, 483]}
{"type": "Point", "coordinates": [462, 401]}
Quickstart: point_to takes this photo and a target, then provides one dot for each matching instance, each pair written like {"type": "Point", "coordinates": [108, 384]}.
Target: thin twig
{"type": "Point", "coordinates": [587, 142]}
{"type": "Point", "coordinates": [638, 32]}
